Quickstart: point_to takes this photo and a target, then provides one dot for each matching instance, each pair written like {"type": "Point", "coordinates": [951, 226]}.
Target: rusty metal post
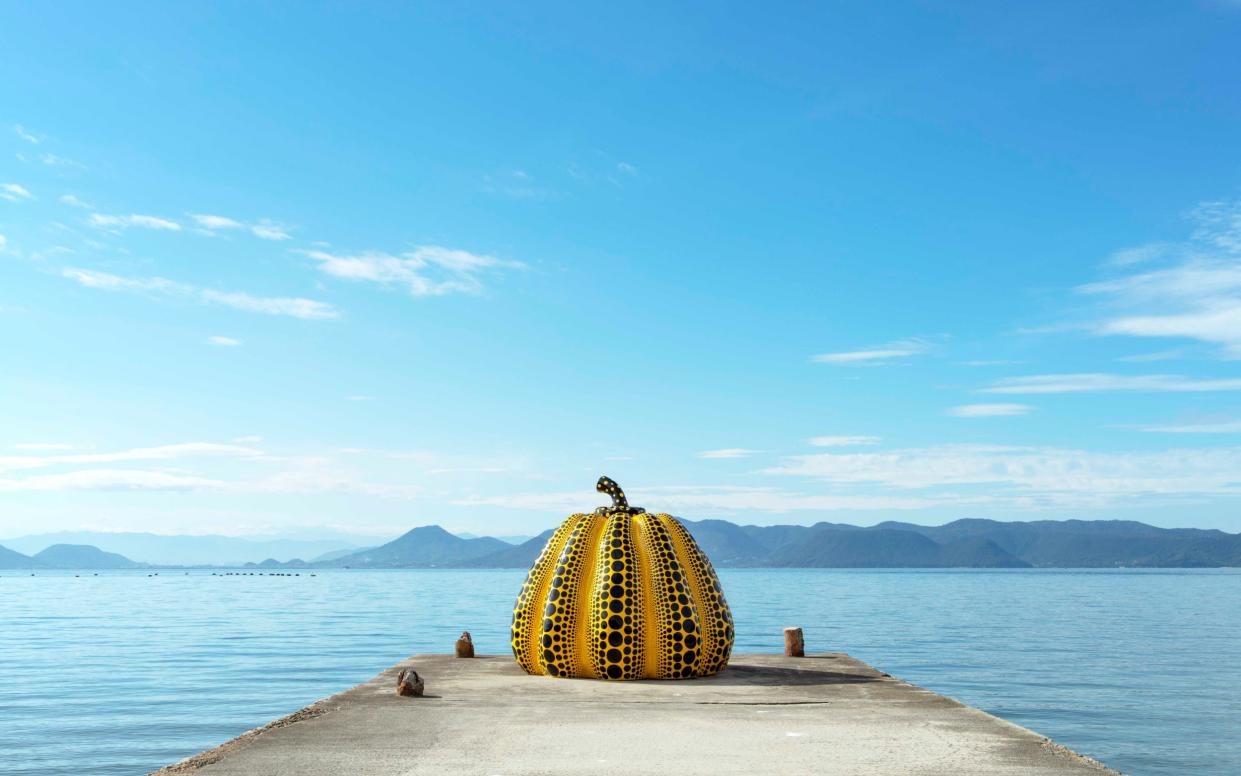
{"type": "Point", "coordinates": [794, 643]}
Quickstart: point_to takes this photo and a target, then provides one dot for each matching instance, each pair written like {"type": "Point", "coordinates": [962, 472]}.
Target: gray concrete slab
{"type": "Point", "coordinates": [822, 714]}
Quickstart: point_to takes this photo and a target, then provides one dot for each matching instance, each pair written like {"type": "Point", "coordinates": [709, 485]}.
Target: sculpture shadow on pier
{"type": "Point", "coordinates": [757, 675]}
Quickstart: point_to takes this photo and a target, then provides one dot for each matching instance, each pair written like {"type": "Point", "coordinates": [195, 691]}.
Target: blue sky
{"type": "Point", "coordinates": [274, 268]}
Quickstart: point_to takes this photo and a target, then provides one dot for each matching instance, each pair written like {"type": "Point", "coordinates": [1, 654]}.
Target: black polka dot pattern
{"type": "Point", "coordinates": [675, 616]}
{"type": "Point", "coordinates": [621, 594]}
{"type": "Point", "coordinates": [617, 623]}
{"type": "Point", "coordinates": [527, 614]}
{"type": "Point", "coordinates": [561, 626]}
{"type": "Point", "coordinates": [715, 640]}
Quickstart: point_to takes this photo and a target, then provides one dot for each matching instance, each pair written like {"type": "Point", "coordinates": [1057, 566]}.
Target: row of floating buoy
{"type": "Point", "coordinates": [216, 574]}
{"type": "Point", "coordinates": [255, 573]}
{"type": "Point", "coordinates": [35, 575]}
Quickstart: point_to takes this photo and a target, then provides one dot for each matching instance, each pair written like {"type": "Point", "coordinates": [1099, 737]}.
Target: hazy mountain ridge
{"type": "Point", "coordinates": [187, 550]}
{"type": "Point", "coordinates": [1093, 543]}
{"type": "Point", "coordinates": [83, 556]}
{"type": "Point", "coordinates": [960, 544]}
{"type": "Point", "coordinates": [11, 559]}
{"type": "Point", "coordinates": [971, 543]}
{"type": "Point", "coordinates": [423, 547]}
{"type": "Point", "coordinates": [67, 556]}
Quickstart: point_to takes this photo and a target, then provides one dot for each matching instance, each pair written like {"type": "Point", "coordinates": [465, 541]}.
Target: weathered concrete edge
{"type": "Point", "coordinates": [333, 702]}
{"type": "Point", "coordinates": [1059, 750]}
{"type": "Point", "coordinates": [217, 753]}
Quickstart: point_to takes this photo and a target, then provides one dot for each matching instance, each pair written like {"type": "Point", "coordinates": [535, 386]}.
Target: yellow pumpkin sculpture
{"type": "Point", "coordinates": [622, 594]}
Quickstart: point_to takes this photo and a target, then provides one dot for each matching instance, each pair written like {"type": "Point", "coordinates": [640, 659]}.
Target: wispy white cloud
{"type": "Point", "coordinates": [434, 462]}
{"type": "Point", "coordinates": [1138, 255]}
{"type": "Point", "coordinates": [843, 441]}
{"type": "Point", "coordinates": [728, 452]}
{"type": "Point", "coordinates": [226, 342]}
{"type": "Point", "coordinates": [295, 307]}
{"type": "Point", "coordinates": [249, 439]}
{"type": "Point", "coordinates": [299, 476]}
{"type": "Point", "coordinates": [988, 410]}
{"type": "Point", "coordinates": [51, 252]}
{"type": "Point", "coordinates": [90, 471]}
{"type": "Point", "coordinates": [881, 354]}
{"type": "Point", "coordinates": [157, 453]}
{"type": "Point", "coordinates": [266, 229]}
{"type": "Point", "coordinates": [517, 184]}
{"type": "Point", "coordinates": [1218, 223]}
{"type": "Point", "coordinates": [212, 222]}
{"type": "Point", "coordinates": [319, 475]}
{"type": "Point", "coordinates": [27, 135]}
{"type": "Point", "coordinates": [122, 222]}
{"type": "Point", "coordinates": [73, 201]}
{"type": "Point", "coordinates": [1205, 427]}
{"type": "Point", "coordinates": [14, 192]}
{"type": "Point", "coordinates": [269, 230]}
{"type": "Point", "coordinates": [775, 500]}
{"type": "Point", "coordinates": [104, 280]}
{"type": "Point", "coordinates": [627, 168]}
{"type": "Point", "coordinates": [109, 479]}
{"type": "Point", "coordinates": [251, 472]}
{"type": "Point", "coordinates": [1095, 381]}
{"type": "Point", "coordinates": [1031, 476]}
{"type": "Point", "coordinates": [52, 160]}
{"type": "Point", "coordinates": [1195, 294]}
{"type": "Point", "coordinates": [428, 270]}
{"type": "Point", "coordinates": [1161, 355]}
{"type": "Point", "coordinates": [722, 498]}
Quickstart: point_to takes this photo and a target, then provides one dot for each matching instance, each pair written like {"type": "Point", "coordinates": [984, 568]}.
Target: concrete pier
{"type": "Point", "coordinates": [821, 714]}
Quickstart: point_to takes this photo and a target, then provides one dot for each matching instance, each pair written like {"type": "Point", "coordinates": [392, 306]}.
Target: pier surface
{"type": "Point", "coordinates": [821, 714]}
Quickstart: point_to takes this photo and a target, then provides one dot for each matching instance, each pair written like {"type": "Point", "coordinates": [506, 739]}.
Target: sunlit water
{"type": "Point", "coordinates": [122, 672]}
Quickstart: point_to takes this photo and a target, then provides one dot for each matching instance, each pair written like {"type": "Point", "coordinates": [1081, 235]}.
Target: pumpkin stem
{"type": "Point", "coordinates": [608, 485]}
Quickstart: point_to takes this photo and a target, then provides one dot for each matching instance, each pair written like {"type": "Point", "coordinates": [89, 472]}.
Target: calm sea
{"type": "Point", "coordinates": [122, 672]}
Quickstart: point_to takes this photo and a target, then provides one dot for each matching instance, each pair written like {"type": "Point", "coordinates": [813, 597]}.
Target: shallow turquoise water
{"type": "Point", "coordinates": [121, 673]}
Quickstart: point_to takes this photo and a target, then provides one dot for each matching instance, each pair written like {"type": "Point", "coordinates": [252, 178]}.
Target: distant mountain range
{"type": "Point", "coordinates": [210, 550]}
{"type": "Point", "coordinates": [427, 546]}
{"type": "Point", "coordinates": [959, 544]}
{"type": "Point", "coordinates": [174, 550]}
{"type": "Point", "coordinates": [66, 556]}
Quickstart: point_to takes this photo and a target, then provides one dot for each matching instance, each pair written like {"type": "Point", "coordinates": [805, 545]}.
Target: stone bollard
{"type": "Point", "coordinates": [409, 683]}
{"type": "Point", "coordinates": [465, 645]}
{"type": "Point", "coordinates": [794, 643]}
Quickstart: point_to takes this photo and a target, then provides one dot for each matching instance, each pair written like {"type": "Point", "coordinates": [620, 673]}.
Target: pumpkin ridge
{"type": "Point", "coordinates": [681, 619]}
{"type": "Point", "coordinates": [716, 618]}
{"type": "Point", "coordinates": [559, 624]}
{"type": "Point", "coordinates": [526, 620]}
{"type": "Point", "coordinates": [653, 636]}
{"type": "Point", "coordinates": [583, 635]}
{"type": "Point", "coordinates": [617, 623]}
{"type": "Point", "coordinates": [693, 587]}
